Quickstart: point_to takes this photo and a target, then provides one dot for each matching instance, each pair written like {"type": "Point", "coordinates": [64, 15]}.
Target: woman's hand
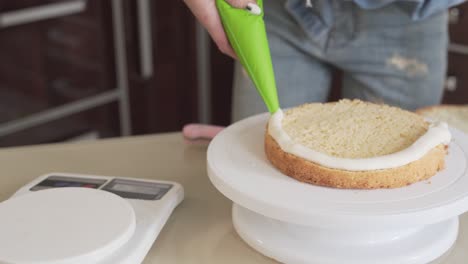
{"type": "Point", "coordinates": [207, 14]}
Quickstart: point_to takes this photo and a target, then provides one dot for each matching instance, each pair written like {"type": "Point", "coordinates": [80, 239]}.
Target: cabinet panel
{"type": "Point", "coordinates": [51, 62]}
{"type": "Point", "coordinates": [65, 38]}
{"type": "Point", "coordinates": [68, 81]}
{"type": "Point", "coordinates": [222, 71]}
{"type": "Point", "coordinates": [21, 60]}
{"type": "Point", "coordinates": [167, 100]}
{"type": "Point", "coordinates": [458, 24]}
{"type": "Point", "coordinates": [456, 86]}
{"type": "Point", "coordinates": [101, 121]}
{"type": "Point", "coordinates": [7, 5]}
{"type": "Point", "coordinates": [21, 47]}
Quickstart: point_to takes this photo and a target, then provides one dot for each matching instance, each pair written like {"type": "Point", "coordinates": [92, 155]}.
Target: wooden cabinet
{"type": "Point", "coordinates": [456, 84]}
{"type": "Point", "coordinates": [222, 68]}
{"type": "Point", "coordinates": [458, 23]}
{"type": "Point", "coordinates": [46, 63]}
{"type": "Point", "coordinates": [69, 58]}
{"type": "Point", "coordinates": [167, 99]}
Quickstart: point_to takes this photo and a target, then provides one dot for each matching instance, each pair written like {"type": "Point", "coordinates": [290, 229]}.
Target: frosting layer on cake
{"type": "Point", "coordinates": [436, 134]}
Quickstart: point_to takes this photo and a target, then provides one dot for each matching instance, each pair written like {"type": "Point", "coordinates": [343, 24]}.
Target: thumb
{"type": "Point", "coordinates": [200, 131]}
{"type": "Point", "coordinates": [240, 3]}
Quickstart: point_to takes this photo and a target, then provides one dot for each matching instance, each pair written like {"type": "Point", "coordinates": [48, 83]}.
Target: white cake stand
{"type": "Point", "coordinates": [294, 222]}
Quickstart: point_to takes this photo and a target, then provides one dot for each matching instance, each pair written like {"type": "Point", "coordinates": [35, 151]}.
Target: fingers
{"type": "Point", "coordinates": [220, 39]}
{"type": "Point", "coordinates": [199, 131]}
{"type": "Point", "coordinates": [207, 14]}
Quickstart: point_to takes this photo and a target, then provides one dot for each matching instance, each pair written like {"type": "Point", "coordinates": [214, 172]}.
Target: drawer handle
{"type": "Point", "coordinates": [34, 14]}
{"type": "Point", "coordinates": [454, 16]}
{"type": "Point", "coordinates": [451, 84]}
{"type": "Point", "coordinates": [145, 38]}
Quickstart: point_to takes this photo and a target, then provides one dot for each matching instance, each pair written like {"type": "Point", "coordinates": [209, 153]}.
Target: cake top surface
{"type": "Point", "coordinates": [353, 129]}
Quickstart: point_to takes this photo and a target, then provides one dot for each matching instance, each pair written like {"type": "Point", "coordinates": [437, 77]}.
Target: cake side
{"type": "Point", "coordinates": [310, 172]}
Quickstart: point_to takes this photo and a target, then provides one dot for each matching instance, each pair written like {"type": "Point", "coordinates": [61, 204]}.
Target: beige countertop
{"type": "Point", "coordinates": [200, 229]}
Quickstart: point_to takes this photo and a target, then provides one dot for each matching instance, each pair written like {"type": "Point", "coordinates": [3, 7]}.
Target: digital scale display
{"type": "Point", "coordinates": [137, 189]}
{"type": "Point", "coordinates": [131, 189]}
{"type": "Point", "coordinates": [119, 187]}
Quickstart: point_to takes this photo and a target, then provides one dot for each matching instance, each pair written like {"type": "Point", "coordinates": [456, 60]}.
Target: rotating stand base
{"type": "Point", "coordinates": [296, 244]}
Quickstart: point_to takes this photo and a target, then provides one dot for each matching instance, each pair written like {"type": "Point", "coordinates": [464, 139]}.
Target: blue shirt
{"type": "Point", "coordinates": [418, 9]}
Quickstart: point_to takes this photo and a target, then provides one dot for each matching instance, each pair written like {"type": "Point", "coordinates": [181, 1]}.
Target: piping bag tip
{"type": "Point", "coordinates": [246, 32]}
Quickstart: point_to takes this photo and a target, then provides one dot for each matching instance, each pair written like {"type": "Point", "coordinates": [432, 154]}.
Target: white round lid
{"type": "Point", "coordinates": [238, 167]}
{"type": "Point", "coordinates": [64, 225]}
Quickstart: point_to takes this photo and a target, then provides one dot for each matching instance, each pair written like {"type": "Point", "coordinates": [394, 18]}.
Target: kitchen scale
{"type": "Point", "coordinates": [74, 219]}
{"type": "Point", "coordinates": [294, 222]}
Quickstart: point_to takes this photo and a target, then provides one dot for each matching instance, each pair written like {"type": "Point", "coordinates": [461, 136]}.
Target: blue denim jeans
{"type": "Point", "coordinates": [384, 54]}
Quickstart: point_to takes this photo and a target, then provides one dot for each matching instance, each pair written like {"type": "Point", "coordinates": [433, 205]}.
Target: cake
{"type": "Point", "coordinates": [355, 144]}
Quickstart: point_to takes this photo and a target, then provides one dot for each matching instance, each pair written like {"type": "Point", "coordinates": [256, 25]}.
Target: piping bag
{"type": "Point", "coordinates": [247, 34]}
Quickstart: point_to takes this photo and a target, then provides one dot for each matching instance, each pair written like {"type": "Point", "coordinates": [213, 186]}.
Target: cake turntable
{"type": "Point", "coordinates": [294, 222]}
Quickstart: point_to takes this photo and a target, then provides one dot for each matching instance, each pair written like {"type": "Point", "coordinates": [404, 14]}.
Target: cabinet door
{"type": "Point", "coordinates": [456, 85]}
{"type": "Point", "coordinates": [458, 24]}
{"type": "Point", "coordinates": [46, 63]}
{"type": "Point", "coordinates": [167, 99]}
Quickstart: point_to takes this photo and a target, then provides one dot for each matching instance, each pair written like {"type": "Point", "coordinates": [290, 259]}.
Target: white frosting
{"type": "Point", "coordinates": [254, 9]}
{"type": "Point", "coordinates": [438, 133]}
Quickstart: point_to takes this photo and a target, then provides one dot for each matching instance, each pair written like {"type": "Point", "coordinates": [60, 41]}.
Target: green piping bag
{"type": "Point", "coordinates": [247, 34]}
